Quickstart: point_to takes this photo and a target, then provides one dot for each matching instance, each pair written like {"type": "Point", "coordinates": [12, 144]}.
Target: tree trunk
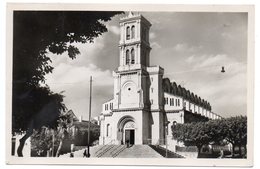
{"type": "Point", "coordinates": [233, 150]}
{"type": "Point", "coordinates": [199, 150]}
{"type": "Point", "coordinates": [245, 151]}
{"type": "Point", "coordinates": [61, 143]}
{"type": "Point", "coordinates": [59, 148]}
{"type": "Point", "coordinates": [240, 150]}
{"type": "Point", "coordinates": [28, 133]}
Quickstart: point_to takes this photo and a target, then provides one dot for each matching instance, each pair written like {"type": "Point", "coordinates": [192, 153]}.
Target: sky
{"type": "Point", "coordinates": [191, 47]}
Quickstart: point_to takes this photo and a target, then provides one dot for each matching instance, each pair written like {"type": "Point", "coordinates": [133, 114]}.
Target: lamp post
{"type": "Point", "coordinates": [89, 115]}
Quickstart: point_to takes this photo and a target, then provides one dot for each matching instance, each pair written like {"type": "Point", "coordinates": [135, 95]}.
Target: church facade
{"type": "Point", "coordinates": [145, 105]}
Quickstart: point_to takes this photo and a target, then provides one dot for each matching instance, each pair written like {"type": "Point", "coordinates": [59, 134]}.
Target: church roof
{"type": "Point", "coordinates": [175, 89]}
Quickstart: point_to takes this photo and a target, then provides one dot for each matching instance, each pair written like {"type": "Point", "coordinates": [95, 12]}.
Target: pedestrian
{"type": "Point", "coordinates": [71, 155]}
{"type": "Point", "coordinates": [127, 143]}
{"type": "Point", "coordinates": [85, 153]}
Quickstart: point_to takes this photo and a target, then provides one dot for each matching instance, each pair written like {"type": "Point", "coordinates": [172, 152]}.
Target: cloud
{"type": "Point", "coordinates": [152, 35]}
{"type": "Point", "coordinates": [74, 80]}
{"type": "Point", "coordinates": [88, 52]}
{"type": "Point", "coordinates": [184, 47]}
{"type": "Point", "coordinates": [205, 60]}
{"type": "Point", "coordinates": [191, 47]}
{"type": "Point", "coordinates": [70, 74]}
{"type": "Point", "coordinates": [226, 35]}
{"type": "Point", "coordinates": [225, 91]}
{"type": "Point", "coordinates": [155, 45]}
{"type": "Point", "coordinates": [114, 29]}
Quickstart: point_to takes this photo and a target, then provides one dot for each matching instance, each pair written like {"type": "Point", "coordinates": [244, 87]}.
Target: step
{"type": "Point", "coordinates": [139, 151]}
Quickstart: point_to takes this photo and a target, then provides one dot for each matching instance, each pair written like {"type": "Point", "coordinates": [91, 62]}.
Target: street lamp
{"type": "Point", "coordinates": [223, 69]}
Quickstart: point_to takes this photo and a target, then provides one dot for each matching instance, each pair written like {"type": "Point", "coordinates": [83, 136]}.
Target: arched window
{"type": "Point", "coordinates": [132, 32]}
{"type": "Point", "coordinates": [132, 56]}
{"type": "Point", "coordinates": [127, 57]}
{"type": "Point", "coordinates": [108, 129]}
{"type": "Point", "coordinates": [128, 33]}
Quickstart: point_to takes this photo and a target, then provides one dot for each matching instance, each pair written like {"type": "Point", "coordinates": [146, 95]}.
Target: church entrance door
{"type": "Point", "coordinates": [127, 131]}
{"type": "Point", "coordinates": [130, 136]}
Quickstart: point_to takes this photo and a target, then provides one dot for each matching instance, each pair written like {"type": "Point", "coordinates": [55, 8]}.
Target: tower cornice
{"type": "Point", "coordinates": [135, 17]}
{"type": "Point", "coordinates": [135, 43]}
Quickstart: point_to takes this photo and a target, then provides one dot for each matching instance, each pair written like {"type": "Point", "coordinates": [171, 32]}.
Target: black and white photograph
{"type": "Point", "coordinates": [151, 84]}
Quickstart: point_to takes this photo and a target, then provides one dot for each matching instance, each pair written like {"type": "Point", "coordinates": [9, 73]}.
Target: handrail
{"type": "Point", "coordinates": [106, 150]}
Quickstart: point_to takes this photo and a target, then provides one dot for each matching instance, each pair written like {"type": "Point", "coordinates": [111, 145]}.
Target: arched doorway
{"type": "Point", "coordinates": [126, 130]}
{"type": "Point", "coordinates": [129, 132]}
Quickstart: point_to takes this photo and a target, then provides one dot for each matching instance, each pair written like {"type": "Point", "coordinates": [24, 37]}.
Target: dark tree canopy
{"type": "Point", "coordinates": [39, 104]}
{"type": "Point", "coordinates": [35, 34]}
{"type": "Point", "coordinates": [232, 130]}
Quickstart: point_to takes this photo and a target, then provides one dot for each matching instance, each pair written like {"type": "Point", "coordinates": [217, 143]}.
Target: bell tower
{"type": "Point", "coordinates": [131, 77]}
{"type": "Point", "coordinates": [136, 111]}
{"type": "Point", "coordinates": [134, 44]}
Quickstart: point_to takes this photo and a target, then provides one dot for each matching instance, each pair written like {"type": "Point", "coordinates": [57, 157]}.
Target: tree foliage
{"type": "Point", "coordinates": [236, 132]}
{"type": "Point", "coordinates": [233, 130]}
{"type": "Point", "coordinates": [35, 34]}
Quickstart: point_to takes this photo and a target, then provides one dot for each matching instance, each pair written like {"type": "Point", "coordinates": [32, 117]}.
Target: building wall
{"type": "Point", "coordinates": [172, 102]}
{"type": "Point", "coordinates": [114, 136]}
{"type": "Point", "coordinates": [157, 127]}
{"type": "Point", "coordinates": [155, 87]}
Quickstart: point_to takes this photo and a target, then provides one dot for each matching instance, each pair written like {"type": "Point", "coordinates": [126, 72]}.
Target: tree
{"type": "Point", "coordinates": [37, 33]}
{"type": "Point", "coordinates": [192, 134]}
{"type": "Point", "coordinates": [40, 107]}
{"type": "Point", "coordinates": [232, 130]}
{"type": "Point", "coordinates": [64, 123]}
{"type": "Point", "coordinates": [236, 132]}
{"type": "Point", "coordinates": [43, 140]}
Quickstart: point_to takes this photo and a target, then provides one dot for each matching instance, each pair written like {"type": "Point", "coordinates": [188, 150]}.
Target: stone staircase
{"type": "Point", "coordinates": [193, 155]}
{"type": "Point", "coordinates": [99, 151]}
{"type": "Point", "coordinates": [166, 152]}
{"type": "Point", "coordinates": [121, 151]}
{"type": "Point", "coordinates": [110, 151]}
{"type": "Point", "coordinates": [139, 151]}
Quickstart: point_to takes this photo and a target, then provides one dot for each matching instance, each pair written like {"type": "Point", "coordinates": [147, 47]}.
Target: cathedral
{"type": "Point", "coordinates": [145, 104]}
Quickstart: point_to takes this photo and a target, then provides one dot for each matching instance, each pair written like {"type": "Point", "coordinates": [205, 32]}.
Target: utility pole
{"type": "Point", "coordinates": [89, 115]}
